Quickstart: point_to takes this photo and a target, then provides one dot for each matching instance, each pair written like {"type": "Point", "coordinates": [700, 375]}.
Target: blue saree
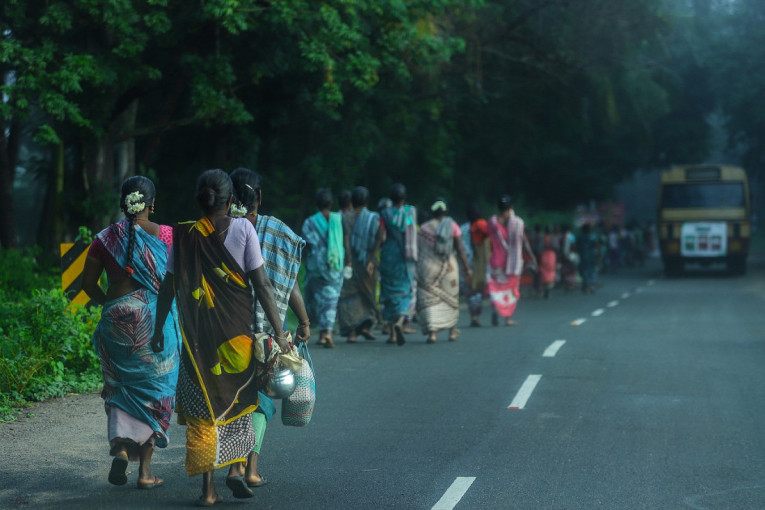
{"type": "Point", "coordinates": [323, 275]}
{"type": "Point", "coordinates": [136, 380]}
{"type": "Point", "coordinates": [396, 268]}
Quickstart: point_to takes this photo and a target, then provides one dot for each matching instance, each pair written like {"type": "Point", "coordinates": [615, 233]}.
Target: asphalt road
{"type": "Point", "coordinates": [648, 394]}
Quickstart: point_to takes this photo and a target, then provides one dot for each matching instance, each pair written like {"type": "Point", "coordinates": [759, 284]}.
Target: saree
{"type": "Point", "coordinates": [357, 306]}
{"type": "Point", "coordinates": [437, 275]}
{"type": "Point", "coordinates": [323, 275]}
{"type": "Point", "coordinates": [222, 366]}
{"type": "Point", "coordinates": [397, 261]}
{"type": "Point", "coordinates": [505, 264]}
{"type": "Point", "coordinates": [139, 385]}
{"type": "Point", "coordinates": [282, 251]}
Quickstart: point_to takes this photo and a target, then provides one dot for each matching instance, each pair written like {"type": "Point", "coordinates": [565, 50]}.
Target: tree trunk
{"type": "Point", "coordinates": [52, 225]}
{"type": "Point", "coordinates": [8, 151]}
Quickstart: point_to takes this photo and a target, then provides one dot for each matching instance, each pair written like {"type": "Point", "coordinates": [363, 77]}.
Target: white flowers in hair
{"type": "Point", "coordinates": [133, 203]}
{"type": "Point", "coordinates": [237, 210]}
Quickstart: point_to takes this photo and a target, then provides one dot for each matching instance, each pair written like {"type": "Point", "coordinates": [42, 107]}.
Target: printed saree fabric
{"type": "Point", "coordinates": [437, 275]}
{"type": "Point", "coordinates": [323, 279]}
{"type": "Point", "coordinates": [137, 380]}
{"type": "Point", "coordinates": [357, 306]}
{"type": "Point", "coordinates": [282, 251]}
{"type": "Point", "coordinates": [397, 262]}
{"type": "Point", "coordinates": [216, 304]}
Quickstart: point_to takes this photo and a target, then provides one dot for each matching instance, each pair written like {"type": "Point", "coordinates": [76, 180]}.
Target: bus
{"type": "Point", "coordinates": [704, 217]}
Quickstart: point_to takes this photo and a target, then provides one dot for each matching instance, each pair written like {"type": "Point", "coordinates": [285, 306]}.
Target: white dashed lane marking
{"type": "Point", "coordinates": [625, 295]}
{"type": "Point", "coordinates": [552, 350]}
{"type": "Point", "coordinates": [454, 493]}
{"type": "Point", "coordinates": [598, 312]}
{"type": "Point", "coordinates": [612, 304]}
{"type": "Point", "coordinates": [519, 402]}
{"type": "Point", "coordinates": [578, 322]}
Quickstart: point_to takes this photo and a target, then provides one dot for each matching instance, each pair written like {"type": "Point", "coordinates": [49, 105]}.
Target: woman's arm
{"type": "Point", "coordinates": [164, 301]}
{"type": "Point", "coordinates": [265, 294]}
{"type": "Point", "coordinates": [372, 256]}
{"type": "Point", "coordinates": [298, 307]}
{"type": "Point", "coordinates": [90, 275]}
{"type": "Point", "coordinates": [462, 256]}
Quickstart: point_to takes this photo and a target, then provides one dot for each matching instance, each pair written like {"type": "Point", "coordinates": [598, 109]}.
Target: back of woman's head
{"type": "Point", "coordinates": [359, 196]}
{"type": "Point", "coordinates": [145, 194]}
{"type": "Point", "coordinates": [398, 193]}
{"type": "Point", "coordinates": [246, 188]}
{"type": "Point", "coordinates": [323, 199]}
{"type": "Point", "coordinates": [439, 207]}
{"type": "Point", "coordinates": [214, 189]}
{"type": "Point", "coordinates": [473, 212]}
{"type": "Point", "coordinates": [344, 199]}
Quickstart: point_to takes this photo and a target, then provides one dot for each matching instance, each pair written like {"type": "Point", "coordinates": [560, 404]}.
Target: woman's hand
{"type": "Point", "coordinates": [371, 267]}
{"type": "Point", "coordinates": [284, 346]}
{"type": "Point", "coordinates": [158, 341]}
{"type": "Point", "coordinates": [303, 333]}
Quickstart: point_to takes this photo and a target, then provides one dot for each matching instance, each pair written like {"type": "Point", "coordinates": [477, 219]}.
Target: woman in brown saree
{"type": "Point", "coordinates": [212, 268]}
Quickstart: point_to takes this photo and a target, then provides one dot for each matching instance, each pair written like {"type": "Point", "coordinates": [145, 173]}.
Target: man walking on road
{"type": "Point", "coordinates": [508, 243]}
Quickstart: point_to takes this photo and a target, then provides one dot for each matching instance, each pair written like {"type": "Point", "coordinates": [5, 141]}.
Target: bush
{"type": "Point", "coordinates": [20, 273]}
{"type": "Point", "coordinates": [45, 348]}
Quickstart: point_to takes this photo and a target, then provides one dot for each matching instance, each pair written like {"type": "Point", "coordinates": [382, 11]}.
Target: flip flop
{"type": "Point", "coordinates": [368, 335]}
{"type": "Point", "coordinates": [261, 483]}
{"type": "Point", "coordinates": [118, 472]}
{"type": "Point", "coordinates": [203, 502]}
{"type": "Point", "coordinates": [454, 335]}
{"type": "Point", "coordinates": [158, 482]}
{"type": "Point", "coordinates": [239, 487]}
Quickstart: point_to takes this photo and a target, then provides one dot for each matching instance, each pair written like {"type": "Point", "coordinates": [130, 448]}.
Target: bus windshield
{"type": "Point", "coordinates": [713, 194]}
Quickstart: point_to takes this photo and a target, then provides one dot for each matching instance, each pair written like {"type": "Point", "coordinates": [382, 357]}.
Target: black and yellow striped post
{"type": "Point", "coordinates": [72, 263]}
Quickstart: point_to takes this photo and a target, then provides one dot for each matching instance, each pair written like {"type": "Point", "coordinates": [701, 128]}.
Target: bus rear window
{"type": "Point", "coordinates": [713, 194]}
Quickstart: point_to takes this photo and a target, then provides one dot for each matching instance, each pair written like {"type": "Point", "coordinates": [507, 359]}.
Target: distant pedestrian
{"type": "Point", "coordinates": [481, 245]}
{"type": "Point", "coordinates": [357, 307]}
{"type": "Point", "coordinates": [508, 243]}
{"type": "Point", "coordinates": [397, 241]}
{"type": "Point", "coordinates": [587, 248]}
{"type": "Point", "coordinates": [438, 274]}
{"type": "Point", "coordinates": [324, 262]}
{"type": "Point", "coordinates": [139, 385]}
{"type": "Point", "coordinates": [548, 262]}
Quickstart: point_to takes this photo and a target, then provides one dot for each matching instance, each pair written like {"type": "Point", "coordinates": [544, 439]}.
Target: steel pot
{"type": "Point", "coordinates": [281, 383]}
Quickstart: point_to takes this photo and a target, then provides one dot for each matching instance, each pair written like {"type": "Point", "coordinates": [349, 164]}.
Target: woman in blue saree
{"type": "Point", "coordinates": [324, 261]}
{"type": "Point", "coordinates": [397, 241]}
{"type": "Point", "coordinates": [139, 385]}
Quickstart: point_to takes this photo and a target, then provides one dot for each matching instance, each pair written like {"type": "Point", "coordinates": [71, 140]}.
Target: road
{"type": "Point", "coordinates": [646, 395]}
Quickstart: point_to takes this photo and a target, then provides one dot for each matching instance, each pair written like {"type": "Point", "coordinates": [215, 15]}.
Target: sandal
{"type": "Point", "coordinates": [454, 334]}
{"type": "Point", "coordinates": [367, 334]}
{"type": "Point", "coordinates": [239, 487]}
{"type": "Point", "coordinates": [118, 471]}
{"type": "Point", "coordinates": [328, 343]}
{"type": "Point", "coordinates": [158, 482]}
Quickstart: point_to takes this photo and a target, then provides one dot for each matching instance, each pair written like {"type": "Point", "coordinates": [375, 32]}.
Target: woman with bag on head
{"type": "Point", "coordinates": [437, 273]}
{"type": "Point", "coordinates": [397, 242]}
{"type": "Point", "coordinates": [212, 269]}
{"type": "Point", "coordinates": [324, 262]}
{"type": "Point", "coordinates": [282, 250]}
{"type": "Point", "coordinates": [139, 385]}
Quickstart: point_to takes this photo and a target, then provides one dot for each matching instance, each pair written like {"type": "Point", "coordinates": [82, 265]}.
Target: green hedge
{"type": "Point", "coordinates": [45, 342]}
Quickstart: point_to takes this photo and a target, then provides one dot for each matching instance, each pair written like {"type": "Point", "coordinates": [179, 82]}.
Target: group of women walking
{"type": "Point", "coordinates": [194, 315]}
{"type": "Point", "coordinates": [417, 266]}
{"type": "Point", "coordinates": [178, 331]}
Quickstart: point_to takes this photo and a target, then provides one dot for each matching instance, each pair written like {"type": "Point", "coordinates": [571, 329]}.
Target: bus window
{"type": "Point", "coordinates": [718, 194]}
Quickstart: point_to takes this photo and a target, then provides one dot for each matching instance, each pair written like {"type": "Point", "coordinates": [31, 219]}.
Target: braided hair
{"type": "Point", "coordinates": [247, 190]}
{"type": "Point", "coordinates": [214, 189]}
{"type": "Point", "coordinates": [144, 186]}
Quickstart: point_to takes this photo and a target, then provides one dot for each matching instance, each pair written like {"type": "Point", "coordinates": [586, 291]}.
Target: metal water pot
{"type": "Point", "coordinates": [281, 383]}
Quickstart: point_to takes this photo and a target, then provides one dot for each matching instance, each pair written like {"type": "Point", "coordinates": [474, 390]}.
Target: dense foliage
{"type": "Point", "coordinates": [551, 100]}
{"type": "Point", "coordinates": [45, 344]}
